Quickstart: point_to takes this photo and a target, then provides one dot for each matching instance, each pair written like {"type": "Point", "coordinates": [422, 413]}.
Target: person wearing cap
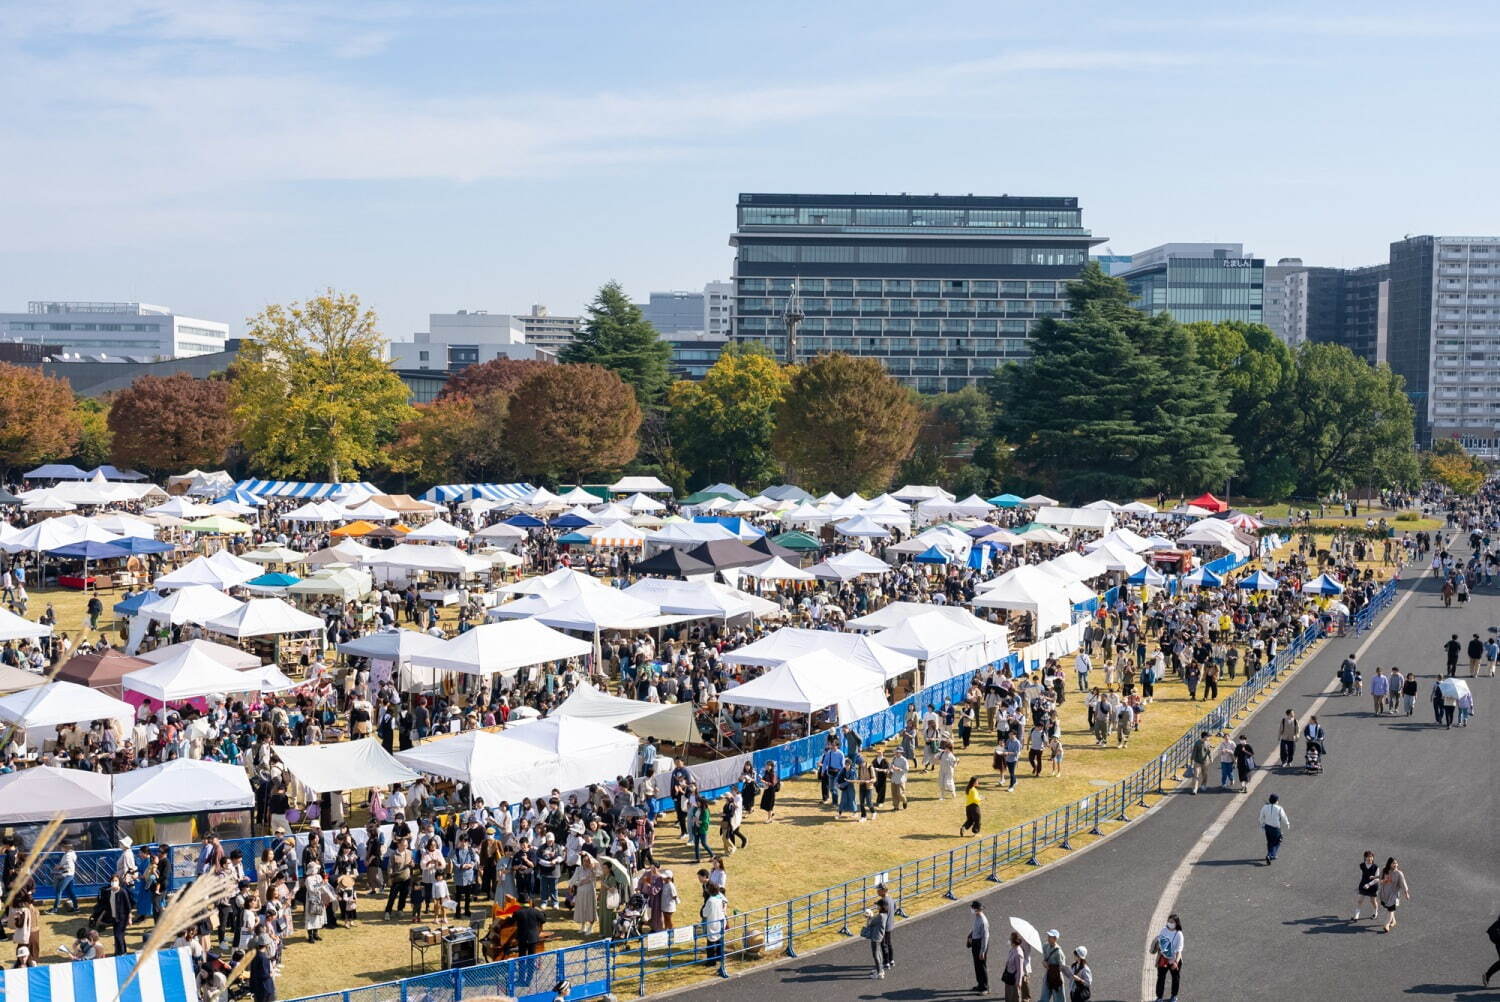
{"type": "Point", "coordinates": [978, 942]}
{"type": "Point", "coordinates": [126, 867]}
{"type": "Point", "coordinates": [887, 948]}
{"type": "Point", "coordinates": [1081, 976]}
{"type": "Point", "coordinates": [1055, 963]}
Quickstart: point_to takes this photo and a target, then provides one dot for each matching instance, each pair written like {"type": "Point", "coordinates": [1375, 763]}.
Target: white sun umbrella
{"type": "Point", "coordinates": [273, 553]}
{"type": "Point", "coordinates": [188, 674]}
{"type": "Point", "coordinates": [1028, 932]}
{"type": "Point", "coordinates": [776, 569]}
{"type": "Point", "coordinates": [437, 531]}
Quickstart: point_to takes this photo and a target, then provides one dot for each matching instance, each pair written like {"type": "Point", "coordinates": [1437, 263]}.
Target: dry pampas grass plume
{"type": "Point", "coordinates": [189, 906]}
{"type": "Point", "coordinates": [46, 841]}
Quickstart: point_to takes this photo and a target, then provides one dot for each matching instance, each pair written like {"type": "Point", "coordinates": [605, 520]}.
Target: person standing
{"type": "Point", "coordinates": [1014, 972]}
{"type": "Point", "coordinates": [1244, 762]}
{"type": "Point", "coordinates": [1393, 888]}
{"type": "Point", "coordinates": [1081, 976]}
{"type": "Point", "coordinates": [900, 766]}
{"type": "Point", "coordinates": [1368, 887]}
{"type": "Point", "coordinates": [1380, 688]}
{"type": "Point", "coordinates": [887, 948]}
{"type": "Point", "coordinates": [1054, 963]}
{"type": "Point", "coordinates": [971, 807]}
{"type": "Point", "coordinates": [978, 942]}
{"type": "Point", "coordinates": [1199, 756]}
{"type": "Point", "coordinates": [1225, 755]}
{"type": "Point", "coordinates": [1168, 948]}
{"type": "Point", "coordinates": [876, 928]}
{"type": "Point", "coordinates": [1274, 821]}
{"type": "Point", "coordinates": [263, 972]}
{"type": "Point", "coordinates": [1288, 735]}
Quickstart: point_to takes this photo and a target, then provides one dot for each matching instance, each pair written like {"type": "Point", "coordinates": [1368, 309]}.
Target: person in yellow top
{"type": "Point", "coordinates": [971, 807]}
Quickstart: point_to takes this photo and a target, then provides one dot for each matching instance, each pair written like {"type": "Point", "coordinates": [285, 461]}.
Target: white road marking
{"type": "Point", "coordinates": [1168, 900]}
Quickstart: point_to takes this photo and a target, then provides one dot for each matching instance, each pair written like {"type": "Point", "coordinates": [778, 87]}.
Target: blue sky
{"type": "Point", "coordinates": [217, 155]}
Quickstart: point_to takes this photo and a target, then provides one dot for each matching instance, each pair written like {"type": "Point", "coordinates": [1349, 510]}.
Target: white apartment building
{"type": "Point", "coordinates": [458, 340]}
{"type": "Point", "coordinates": [137, 331]}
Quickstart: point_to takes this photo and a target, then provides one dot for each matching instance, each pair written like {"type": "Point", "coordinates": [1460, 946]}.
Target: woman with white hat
{"type": "Point", "coordinates": [1082, 976]}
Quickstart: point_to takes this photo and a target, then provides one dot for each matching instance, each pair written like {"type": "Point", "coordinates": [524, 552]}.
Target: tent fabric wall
{"type": "Point", "coordinates": [166, 977]}
{"type": "Point", "coordinates": [348, 765]}
{"type": "Point", "coordinates": [182, 786]}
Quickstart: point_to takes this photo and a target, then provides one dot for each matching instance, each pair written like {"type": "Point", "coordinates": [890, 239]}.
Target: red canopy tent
{"type": "Point", "coordinates": [1208, 502]}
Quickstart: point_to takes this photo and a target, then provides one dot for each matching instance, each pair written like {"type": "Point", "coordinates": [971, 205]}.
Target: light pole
{"type": "Point", "coordinates": [791, 318]}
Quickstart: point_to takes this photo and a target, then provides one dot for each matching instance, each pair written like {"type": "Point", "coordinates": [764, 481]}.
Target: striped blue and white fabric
{"type": "Point", "coordinates": [166, 977]}
{"type": "Point", "coordinates": [293, 489]}
{"type": "Point", "coordinates": [446, 493]}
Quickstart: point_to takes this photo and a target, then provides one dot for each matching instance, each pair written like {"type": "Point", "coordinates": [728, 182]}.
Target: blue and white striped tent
{"type": "Point", "coordinates": [239, 496]}
{"type": "Point", "coordinates": [294, 489]}
{"type": "Point", "coordinates": [166, 977]}
{"type": "Point", "coordinates": [448, 493]}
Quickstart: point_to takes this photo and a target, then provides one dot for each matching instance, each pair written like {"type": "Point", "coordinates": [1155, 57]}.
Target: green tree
{"type": "Point", "coordinates": [1259, 372]}
{"type": "Point", "coordinates": [94, 434]}
{"type": "Point", "coordinates": [569, 420]}
{"type": "Point", "coordinates": [1351, 425]}
{"type": "Point", "coordinates": [1113, 403]}
{"type": "Point", "coordinates": [1459, 472]}
{"type": "Point", "coordinates": [953, 424]}
{"type": "Point", "coordinates": [311, 391]}
{"type": "Point", "coordinates": [844, 424]}
{"type": "Point", "coordinates": [722, 425]}
{"type": "Point", "coordinates": [618, 337]}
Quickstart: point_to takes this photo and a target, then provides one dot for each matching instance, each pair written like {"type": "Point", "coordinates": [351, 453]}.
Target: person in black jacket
{"type": "Point", "coordinates": [113, 909]}
{"type": "Point", "coordinates": [262, 981]}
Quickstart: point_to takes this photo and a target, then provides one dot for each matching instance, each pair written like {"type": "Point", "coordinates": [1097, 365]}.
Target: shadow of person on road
{"type": "Point", "coordinates": [1257, 861]}
{"type": "Point", "coordinates": [1460, 993]}
{"type": "Point", "coordinates": [1330, 923]}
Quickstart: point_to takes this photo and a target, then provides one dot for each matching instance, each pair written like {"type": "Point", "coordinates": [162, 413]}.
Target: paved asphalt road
{"type": "Point", "coordinates": [1397, 786]}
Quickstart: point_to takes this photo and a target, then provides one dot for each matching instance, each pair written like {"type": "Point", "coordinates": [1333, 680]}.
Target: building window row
{"type": "Point", "coordinates": [774, 215]}
{"type": "Point", "coordinates": [888, 255]}
{"type": "Point", "coordinates": [898, 287]}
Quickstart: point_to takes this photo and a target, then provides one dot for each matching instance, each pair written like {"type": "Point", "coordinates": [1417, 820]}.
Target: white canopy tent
{"type": "Point", "coordinates": [862, 527]}
{"type": "Point", "coordinates": [1123, 538]}
{"type": "Point", "coordinates": [1028, 589]}
{"type": "Point", "coordinates": [221, 570]}
{"type": "Point", "coordinates": [53, 533]}
{"type": "Point", "coordinates": [186, 675]}
{"type": "Point", "coordinates": [1076, 518]}
{"type": "Point", "coordinates": [776, 569]}
{"type": "Point", "coordinates": [700, 598]}
{"type": "Point", "coordinates": [315, 513]}
{"type": "Point", "coordinates": [502, 648]}
{"type": "Point", "coordinates": [13, 627]}
{"type": "Point", "coordinates": [274, 553]}
{"type": "Point", "coordinates": [437, 531]}
{"type": "Point", "coordinates": [562, 577]}
{"type": "Point", "coordinates": [264, 617]}
{"type": "Point", "coordinates": [193, 604]}
{"type": "Point", "coordinates": [672, 721]}
{"type": "Point", "coordinates": [399, 647]}
{"type": "Point", "coordinates": [437, 558]}
{"type": "Point", "coordinates": [38, 794]}
{"type": "Point", "coordinates": [229, 657]}
{"type": "Point", "coordinates": [846, 566]}
{"type": "Point", "coordinates": [347, 765]}
{"type": "Point", "coordinates": [62, 703]}
{"type": "Point", "coordinates": [946, 646]}
{"type": "Point", "coordinates": [790, 643]}
{"type": "Point", "coordinates": [182, 786]}
{"type": "Point", "coordinates": [812, 682]}
{"type": "Point", "coordinates": [639, 485]}
{"type": "Point", "coordinates": [345, 551]}
{"type": "Point", "coordinates": [600, 609]}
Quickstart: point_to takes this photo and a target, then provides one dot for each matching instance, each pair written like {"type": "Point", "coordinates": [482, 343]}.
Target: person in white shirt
{"type": "Point", "coordinates": [1274, 821]}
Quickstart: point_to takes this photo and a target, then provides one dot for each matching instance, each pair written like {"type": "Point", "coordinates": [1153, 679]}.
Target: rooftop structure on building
{"type": "Point", "coordinates": [455, 341]}
{"type": "Point", "coordinates": [695, 352]}
{"type": "Point", "coordinates": [1198, 282]}
{"type": "Point", "coordinates": [940, 288]}
{"type": "Point", "coordinates": [548, 332]}
{"type": "Point", "coordinates": [134, 330]}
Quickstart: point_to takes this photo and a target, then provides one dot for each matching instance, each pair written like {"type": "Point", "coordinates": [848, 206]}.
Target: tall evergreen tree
{"type": "Point", "coordinates": [618, 337]}
{"type": "Point", "coordinates": [1113, 403]}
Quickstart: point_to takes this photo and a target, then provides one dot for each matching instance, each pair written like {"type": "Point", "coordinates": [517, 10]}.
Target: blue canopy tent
{"type": "Point", "coordinates": [1007, 501]}
{"type": "Point", "coordinates": [90, 549]}
{"type": "Point", "coordinates": [1202, 578]}
{"type": "Point", "coordinates": [56, 471]}
{"type": "Point", "coordinates": [1322, 585]}
{"type": "Point", "coordinates": [573, 539]}
{"type": "Point", "coordinates": [137, 544]}
{"type": "Point", "coordinates": [131, 604]}
{"type": "Point", "coordinates": [569, 521]}
{"type": "Point", "coordinates": [931, 555]}
{"type": "Point", "coordinates": [1147, 575]}
{"type": "Point", "coordinates": [241, 496]}
{"type": "Point", "coordinates": [979, 558]}
{"type": "Point", "coordinates": [296, 489]}
{"type": "Point", "coordinates": [276, 579]}
{"type": "Point", "coordinates": [525, 521]}
{"type": "Point", "coordinates": [1259, 581]}
{"type": "Point", "coordinates": [448, 493]}
{"type": "Point", "coordinates": [166, 976]}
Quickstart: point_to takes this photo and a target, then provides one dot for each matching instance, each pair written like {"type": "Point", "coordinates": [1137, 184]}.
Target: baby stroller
{"type": "Point", "coordinates": [628, 919]}
{"type": "Point", "coordinates": [1313, 759]}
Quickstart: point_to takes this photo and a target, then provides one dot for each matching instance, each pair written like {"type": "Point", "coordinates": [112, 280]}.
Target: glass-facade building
{"type": "Point", "coordinates": [941, 289]}
{"type": "Point", "coordinates": [1198, 282]}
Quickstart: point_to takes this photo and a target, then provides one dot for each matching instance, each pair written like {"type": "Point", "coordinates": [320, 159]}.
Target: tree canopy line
{"type": "Point", "coordinates": [1111, 403]}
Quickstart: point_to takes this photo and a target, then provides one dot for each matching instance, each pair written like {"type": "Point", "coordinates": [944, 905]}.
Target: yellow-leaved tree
{"type": "Point", "coordinates": [312, 393]}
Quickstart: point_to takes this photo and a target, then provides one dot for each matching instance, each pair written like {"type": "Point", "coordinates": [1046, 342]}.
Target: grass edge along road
{"type": "Point", "coordinates": [647, 970]}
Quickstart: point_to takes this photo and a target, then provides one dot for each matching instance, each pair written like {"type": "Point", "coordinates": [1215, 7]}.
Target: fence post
{"type": "Point", "coordinates": [1095, 830]}
{"type": "Point", "coordinates": [458, 983]}
{"type": "Point", "coordinates": [994, 876]}
{"type": "Point", "coordinates": [900, 891]}
{"type": "Point", "coordinates": [949, 893]}
{"type": "Point", "coordinates": [1032, 861]}
{"type": "Point", "coordinates": [641, 965]}
{"type": "Point", "coordinates": [1124, 802]}
{"type": "Point", "coordinates": [844, 929]}
{"type": "Point", "coordinates": [1141, 788]}
{"type": "Point", "coordinates": [791, 948]}
{"type": "Point", "coordinates": [1067, 826]}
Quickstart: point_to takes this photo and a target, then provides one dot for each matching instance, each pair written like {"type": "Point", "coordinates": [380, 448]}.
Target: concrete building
{"type": "Point", "coordinates": [1365, 312]}
{"type": "Point", "coordinates": [1444, 336]}
{"type": "Point", "coordinates": [694, 352]}
{"type": "Point", "coordinates": [941, 289]}
{"type": "Point", "coordinates": [547, 332]}
{"type": "Point", "coordinates": [1273, 298]}
{"type": "Point", "coordinates": [1198, 282]}
{"type": "Point", "coordinates": [674, 312]}
{"type": "Point", "coordinates": [137, 331]}
{"type": "Point", "coordinates": [718, 308]}
{"type": "Point", "coordinates": [459, 340]}
{"type": "Point", "coordinates": [91, 376]}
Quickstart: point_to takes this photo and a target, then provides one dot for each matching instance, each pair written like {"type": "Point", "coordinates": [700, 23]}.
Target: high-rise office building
{"type": "Point", "coordinates": [941, 289]}
{"type": "Point", "coordinates": [1198, 281]}
{"type": "Point", "coordinates": [1444, 336]}
{"type": "Point", "coordinates": [137, 331]}
{"type": "Point", "coordinates": [718, 308]}
{"type": "Point", "coordinates": [1310, 305]}
{"type": "Point", "coordinates": [675, 312]}
{"type": "Point", "coordinates": [1273, 295]}
{"type": "Point", "coordinates": [1364, 312]}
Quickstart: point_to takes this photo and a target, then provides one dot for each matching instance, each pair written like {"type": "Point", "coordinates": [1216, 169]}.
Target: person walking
{"type": "Point", "coordinates": [971, 807]}
{"type": "Point", "coordinates": [1274, 821]}
{"type": "Point", "coordinates": [1380, 690]}
{"type": "Point", "coordinates": [1368, 887]}
{"type": "Point", "coordinates": [1225, 753]}
{"type": "Point", "coordinates": [1168, 949]}
{"type": "Point", "coordinates": [1014, 973]}
{"type": "Point", "coordinates": [1288, 736]}
{"type": "Point", "coordinates": [1475, 652]}
{"type": "Point", "coordinates": [1393, 888]}
{"type": "Point", "coordinates": [1082, 976]}
{"type": "Point", "coordinates": [978, 942]}
{"type": "Point", "coordinates": [1054, 963]}
{"type": "Point", "coordinates": [1450, 652]}
{"type": "Point", "coordinates": [1244, 762]}
{"type": "Point", "coordinates": [876, 928]}
{"type": "Point", "coordinates": [1199, 755]}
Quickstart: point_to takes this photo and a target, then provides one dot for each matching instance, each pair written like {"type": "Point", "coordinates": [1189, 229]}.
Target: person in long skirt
{"type": "Point", "coordinates": [1369, 886]}
{"type": "Point", "coordinates": [770, 785]}
{"type": "Point", "coordinates": [748, 785]}
{"type": "Point", "coordinates": [585, 902]}
{"type": "Point", "coordinates": [947, 762]}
